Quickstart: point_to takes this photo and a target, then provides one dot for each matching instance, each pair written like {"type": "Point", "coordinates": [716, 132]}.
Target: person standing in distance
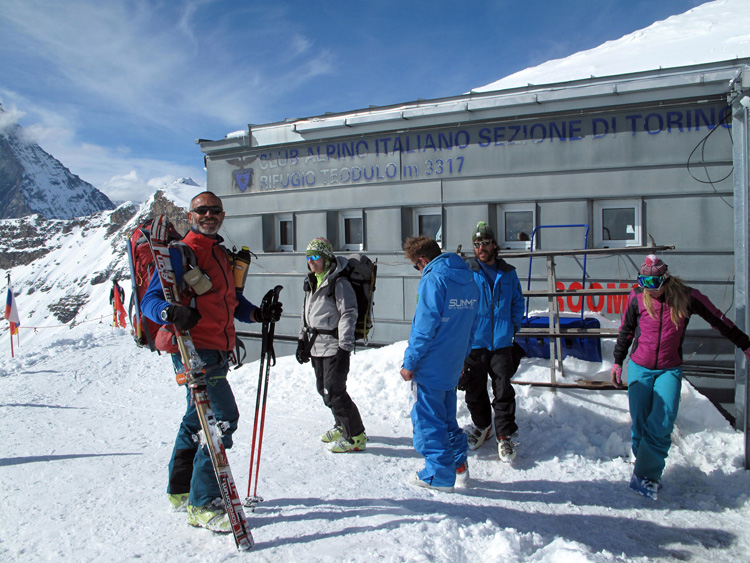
{"type": "Point", "coordinates": [207, 309]}
{"type": "Point", "coordinates": [653, 328]}
{"type": "Point", "coordinates": [439, 341]}
{"type": "Point", "coordinates": [501, 309]}
{"type": "Point", "coordinates": [329, 318]}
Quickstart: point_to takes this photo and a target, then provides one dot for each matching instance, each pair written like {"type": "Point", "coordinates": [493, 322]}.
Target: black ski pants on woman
{"type": "Point", "coordinates": [498, 364]}
{"type": "Point", "coordinates": [331, 383]}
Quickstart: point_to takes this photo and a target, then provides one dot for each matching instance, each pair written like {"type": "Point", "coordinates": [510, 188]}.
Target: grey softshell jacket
{"type": "Point", "coordinates": [336, 312]}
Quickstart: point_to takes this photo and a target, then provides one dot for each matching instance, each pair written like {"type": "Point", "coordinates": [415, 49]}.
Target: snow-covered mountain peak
{"type": "Point", "coordinates": [712, 32]}
{"type": "Point", "coordinates": [33, 181]}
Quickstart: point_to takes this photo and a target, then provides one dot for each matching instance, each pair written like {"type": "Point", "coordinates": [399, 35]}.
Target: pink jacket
{"type": "Point", "coordinates": [657, 342]}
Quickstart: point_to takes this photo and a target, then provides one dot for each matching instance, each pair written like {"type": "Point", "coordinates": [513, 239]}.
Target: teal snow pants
{"type": "Point", "coordinates": [654, 397]}
{"type": "Point", "coordinates": [190, 468]}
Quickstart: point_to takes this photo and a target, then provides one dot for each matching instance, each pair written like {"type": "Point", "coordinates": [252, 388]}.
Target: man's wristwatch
{"type": "Point", "coordinates": [164, 314]}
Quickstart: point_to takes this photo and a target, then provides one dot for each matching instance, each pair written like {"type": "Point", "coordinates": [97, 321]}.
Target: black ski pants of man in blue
{"type": "Point", "coordinates": [498, 364]}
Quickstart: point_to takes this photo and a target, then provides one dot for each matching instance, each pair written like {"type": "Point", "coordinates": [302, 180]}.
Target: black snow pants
{"type": "Point", "coordinates": [331, 384]}
{"type": "Point", "coordinates": [498, 364]}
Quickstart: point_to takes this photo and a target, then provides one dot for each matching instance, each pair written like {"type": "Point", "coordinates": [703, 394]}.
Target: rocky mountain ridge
{"type": "Point", "coordinates": [63, 268]}
{"type": "Point", "coordinates": [34, 182]}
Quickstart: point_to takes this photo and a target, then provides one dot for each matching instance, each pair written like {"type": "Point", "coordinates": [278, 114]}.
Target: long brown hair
{"type": "Point", "coordinates": [676, 295]}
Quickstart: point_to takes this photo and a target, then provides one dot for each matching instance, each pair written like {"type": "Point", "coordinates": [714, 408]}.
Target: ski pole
{"type": "Point", "coordinates": [250, 501]}
{"type": "Point", "coordinates": [270, 361]}
{"type": "Point", "coordinates": [268, 358]}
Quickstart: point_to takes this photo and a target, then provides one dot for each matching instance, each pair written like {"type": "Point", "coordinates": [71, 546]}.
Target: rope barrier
{"type": "Point", "coordinates": [69, 325]}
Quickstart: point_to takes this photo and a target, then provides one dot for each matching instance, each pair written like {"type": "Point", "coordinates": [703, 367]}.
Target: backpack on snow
{"type": "Point", "coordinates": [141, 270]}
{"type": "Point", "coordinates": [361, 273]}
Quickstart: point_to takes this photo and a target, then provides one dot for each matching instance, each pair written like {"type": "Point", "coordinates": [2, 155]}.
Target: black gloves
{"type": "Point", "coordinates": [342, 360]}
{"type": "Point", "coordinates": [302, 355]}
{"type": "Point", "coordinates": [471, 362]}
{"type": "Point", "coordinates": [268, 312]}
{"type": "Point", "coordinates": [182, 317]}
{"type": "Point", "coordinates": [463, 380]}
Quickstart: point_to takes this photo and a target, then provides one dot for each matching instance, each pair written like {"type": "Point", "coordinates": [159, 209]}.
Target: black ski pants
{"type": "Point", "coordinates": [498, 364]}
{"type": "Point", "coordinates": [331, 384]}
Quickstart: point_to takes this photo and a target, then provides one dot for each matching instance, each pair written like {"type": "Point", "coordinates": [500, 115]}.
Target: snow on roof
{"type": "Point", "coordinates": [712, 32]}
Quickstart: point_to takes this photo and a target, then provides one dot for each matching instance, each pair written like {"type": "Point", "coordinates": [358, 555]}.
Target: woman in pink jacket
{"type": "Point", "coordinates": [653, 328]}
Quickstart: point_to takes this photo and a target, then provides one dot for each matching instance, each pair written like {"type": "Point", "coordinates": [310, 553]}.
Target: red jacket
{"type": "Point", "coordinates": [657, 342]}
{"type": "Point", "coordinates": [218, 307]}
{"type": "Point", "coordinates": [215, 330]}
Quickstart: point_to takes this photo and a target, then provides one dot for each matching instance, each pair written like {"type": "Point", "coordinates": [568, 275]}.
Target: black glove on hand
{"type": "Point", "coordinates": [302, 355]}
{"type": "Point", "coordinates": [342, 361]}
{"type": "Point", "coordinates": [463, 380]}
{"type": "Point", "coordinates": [269, 312]}
{"type": "Point", "coordinates": [183, 317]}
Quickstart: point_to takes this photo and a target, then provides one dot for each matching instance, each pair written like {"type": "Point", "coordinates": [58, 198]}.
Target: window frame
{"type": "Point", "coordinates": [636, 204]}
{"type": "Point", "coordinates": [343, 217]}
{"type": "Point", "coordinates": [278, 220]}
{"type": "Point", "coordinates": [430, 210]}
{"type": "Point", "coordinates": [515, 207]}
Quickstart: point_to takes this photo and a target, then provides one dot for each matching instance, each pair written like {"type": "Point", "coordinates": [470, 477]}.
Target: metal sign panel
{"type": "Point", "coordinates": [507, 147]}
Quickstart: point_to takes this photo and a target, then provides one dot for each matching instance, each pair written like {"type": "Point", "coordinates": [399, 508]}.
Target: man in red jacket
{"type": "Point", "coordinates": [209, 305]}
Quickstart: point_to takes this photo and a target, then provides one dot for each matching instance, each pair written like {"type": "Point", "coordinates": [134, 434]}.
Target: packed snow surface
{"type": "Point", "coordinates": [90, 422]}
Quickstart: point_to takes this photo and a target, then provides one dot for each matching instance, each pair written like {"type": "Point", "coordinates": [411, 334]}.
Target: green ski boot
{"type": "Point", "coordinates": [357, 444]}
{"type": "Point", "coordinates": [179, 501]}
{"type": "Point", "coordinates": [331, 435]}
{"type": "Point", "coordinates": [212, 516]}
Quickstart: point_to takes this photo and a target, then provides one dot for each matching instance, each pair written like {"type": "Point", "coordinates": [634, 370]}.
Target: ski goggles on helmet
{"type": "Point", "coordinates": [313, 257]}
{"type": "Point", "coordinates": [651, 282]}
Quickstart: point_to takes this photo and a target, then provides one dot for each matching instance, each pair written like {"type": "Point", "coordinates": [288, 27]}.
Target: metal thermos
{"type": "Point", "coordinates": [240, 266]}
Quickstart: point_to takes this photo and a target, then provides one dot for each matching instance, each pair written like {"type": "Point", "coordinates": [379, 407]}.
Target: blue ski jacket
{"type": "Point", "coordinates": [443, 322]}
{"type": "Point", "coordinates": [501, 306]}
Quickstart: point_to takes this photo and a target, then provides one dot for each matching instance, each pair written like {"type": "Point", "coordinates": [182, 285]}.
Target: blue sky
{"type": "Point", "coordinates": [119, 90]}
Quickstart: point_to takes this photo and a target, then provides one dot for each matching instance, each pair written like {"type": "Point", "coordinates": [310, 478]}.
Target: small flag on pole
{"type": "Point", "coordinates": [11, 312]}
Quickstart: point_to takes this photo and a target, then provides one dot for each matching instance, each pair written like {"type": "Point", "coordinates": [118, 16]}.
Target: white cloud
{"type": "Point", "coordinates": [117, 82]}
{"type": "Point", "coordinates": [9, 117]}
{"type": "Point", "coordinates": [113, 170]}
{"type": "Point", "coordinates": [151, 59]}
{"type": "Point", "coordinates": [133, 187]}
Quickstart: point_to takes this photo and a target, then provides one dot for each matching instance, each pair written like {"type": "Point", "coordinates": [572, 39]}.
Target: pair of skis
{"type": "Point", "coordinates": [194, 371]}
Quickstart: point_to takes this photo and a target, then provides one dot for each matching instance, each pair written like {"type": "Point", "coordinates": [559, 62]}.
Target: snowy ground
{"type": "Point", "coordinates": [90, 422]}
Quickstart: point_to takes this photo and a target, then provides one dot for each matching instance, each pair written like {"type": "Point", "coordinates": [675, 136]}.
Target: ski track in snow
{"type": "Point", "coordinates": [91, 423]}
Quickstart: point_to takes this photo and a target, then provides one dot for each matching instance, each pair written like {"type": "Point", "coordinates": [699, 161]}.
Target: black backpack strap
{"type": "Point", "coordinates": [187, 254]}
{"type": "Point", "coordinates": [327, 331]}
{"type": "Point", "coordinates": [240, 352]}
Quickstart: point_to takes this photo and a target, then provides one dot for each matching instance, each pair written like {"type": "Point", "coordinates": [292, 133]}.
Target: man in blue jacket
{"type": "Point", "coordinates": [501, 309]}
{"type": "Point", "coordinates": [438, 344]}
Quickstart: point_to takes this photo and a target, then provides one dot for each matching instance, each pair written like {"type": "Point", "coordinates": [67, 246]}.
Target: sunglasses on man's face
{"type": "Point", "coordinates": [481, 243]}
{"type": "Point", "coordinates": [313, 257]}
{"type": "Point", "coordinates": [204, 209]}
{"type": "Point", "coordinates": [651, 282]}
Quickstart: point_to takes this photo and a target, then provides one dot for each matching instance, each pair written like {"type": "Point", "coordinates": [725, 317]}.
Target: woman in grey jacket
{"type": "Point", "coordinates": [329, 316]}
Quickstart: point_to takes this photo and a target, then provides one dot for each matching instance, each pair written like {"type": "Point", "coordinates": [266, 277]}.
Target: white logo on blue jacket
{"type": "Point", "coordinates": [462, 303]}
